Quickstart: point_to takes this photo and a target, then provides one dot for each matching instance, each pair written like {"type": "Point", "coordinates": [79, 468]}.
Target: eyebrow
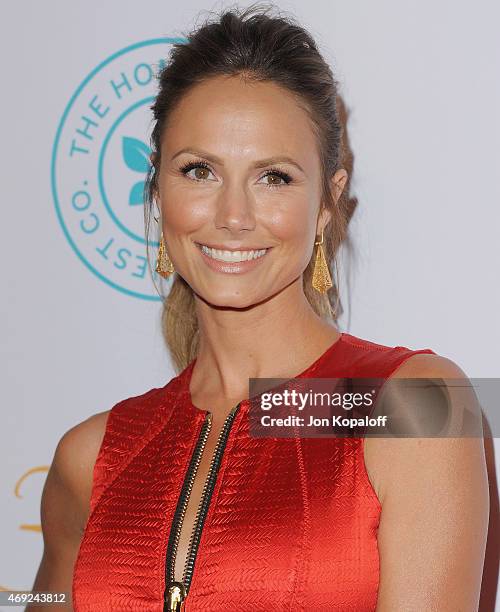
{"type": "Point", "coordinates": [262, 163]}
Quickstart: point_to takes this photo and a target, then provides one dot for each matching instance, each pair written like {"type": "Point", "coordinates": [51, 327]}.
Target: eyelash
{"type": "Point", "coordinates": [283, 175]}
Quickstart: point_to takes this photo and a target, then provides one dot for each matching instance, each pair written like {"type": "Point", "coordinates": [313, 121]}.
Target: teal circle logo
{"type": "Point", "coordinates": [100, 160]}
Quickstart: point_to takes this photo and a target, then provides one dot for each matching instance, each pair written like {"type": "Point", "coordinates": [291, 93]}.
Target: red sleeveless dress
{"type": "Point", "coordinates": [291, 523]}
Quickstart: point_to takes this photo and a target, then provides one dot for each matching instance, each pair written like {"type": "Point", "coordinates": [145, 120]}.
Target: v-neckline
{"type": "Point", "coordinates": [313, 368]}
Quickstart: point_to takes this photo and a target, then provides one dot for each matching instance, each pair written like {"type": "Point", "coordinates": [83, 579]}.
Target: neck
{"type": "Point", "coordinates": [276, 338]}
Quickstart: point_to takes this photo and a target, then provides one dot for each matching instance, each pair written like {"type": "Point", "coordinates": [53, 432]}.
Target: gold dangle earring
{"type": "Point", "coordinates": [164, 265]}
{"type": "Point", "coordinates": [321, 279]}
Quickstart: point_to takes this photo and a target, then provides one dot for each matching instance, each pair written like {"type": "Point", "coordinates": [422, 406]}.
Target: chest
{"type": "Point", "coordinates": [287, 523]}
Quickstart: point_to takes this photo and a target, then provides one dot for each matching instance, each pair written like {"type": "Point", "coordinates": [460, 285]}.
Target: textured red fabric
{"type": "Point", "coordinates": [292, 523]}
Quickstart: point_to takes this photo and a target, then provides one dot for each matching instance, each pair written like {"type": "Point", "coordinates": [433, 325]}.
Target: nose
{"type": "Point", "coordinates": [235, 209]}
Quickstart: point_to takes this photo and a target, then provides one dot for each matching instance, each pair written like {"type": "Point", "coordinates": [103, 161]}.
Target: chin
{"type": "Point", "coordinates": [221, 299]}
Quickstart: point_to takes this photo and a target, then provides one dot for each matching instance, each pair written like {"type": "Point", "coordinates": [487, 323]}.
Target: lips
{"type": "Point", "coordinates": [235, 261]}
{"type": "Point", "coordinates": [232, 256]}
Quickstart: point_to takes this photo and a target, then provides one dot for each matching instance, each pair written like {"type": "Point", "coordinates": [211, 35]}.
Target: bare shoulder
{"type": "Point", "coordinates": [76, 454]}
{"type": "Point", "coordinates": [433, 490]}
{"type": "Point", "coordinates": [65, 503]}
{"type": "Point", "coordinates": [425, 365]}
{"type": "Point", "coordinates": [448, 403]}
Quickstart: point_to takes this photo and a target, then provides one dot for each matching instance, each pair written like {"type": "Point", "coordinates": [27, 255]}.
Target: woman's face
{"type": "Point", "coordinates": [240, 179]}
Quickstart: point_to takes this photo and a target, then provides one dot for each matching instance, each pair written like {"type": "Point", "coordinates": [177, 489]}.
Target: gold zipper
{"type": "Point", "coordinates": [177, 591]}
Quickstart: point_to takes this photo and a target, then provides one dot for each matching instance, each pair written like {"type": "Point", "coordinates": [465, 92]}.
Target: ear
{"type": "Point", "coordinates": [338, 183]}
{"type": "Point", "coordinates": [323, 220]}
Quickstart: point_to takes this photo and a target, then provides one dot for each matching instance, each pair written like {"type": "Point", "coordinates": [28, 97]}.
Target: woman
{"type": "Point", "coordinates": [166, 501]}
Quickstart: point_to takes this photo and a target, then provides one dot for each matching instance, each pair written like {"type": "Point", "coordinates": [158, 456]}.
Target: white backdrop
{"type": "Point", "coordinates": [81, 332]}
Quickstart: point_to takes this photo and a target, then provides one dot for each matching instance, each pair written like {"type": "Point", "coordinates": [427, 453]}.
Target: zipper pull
{"type": "Point", "coordinates": [175, 595]}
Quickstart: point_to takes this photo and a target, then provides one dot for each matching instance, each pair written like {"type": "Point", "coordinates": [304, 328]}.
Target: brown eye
{"type": "Point", "coordinates": [274, 179]}
{"type": "Point", "coordinates": [197, 171]}
{"type": "Point", "coordinates": [201, 173]}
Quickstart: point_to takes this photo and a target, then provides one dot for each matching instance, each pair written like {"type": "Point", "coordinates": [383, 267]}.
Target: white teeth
{"type": "Point", "coordinates": [232, 256]}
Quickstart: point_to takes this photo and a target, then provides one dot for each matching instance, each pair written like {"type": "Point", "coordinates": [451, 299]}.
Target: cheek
{"type": "Point", "coordinates": [184, 211]}
{"type": "Point", "coordinates": [293, 223]}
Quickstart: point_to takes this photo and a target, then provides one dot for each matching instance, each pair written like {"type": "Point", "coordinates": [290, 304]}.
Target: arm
{"type": "Point", "coordinates": [435, 508]}
{"type": "Point", "coordinates": [65, 505]}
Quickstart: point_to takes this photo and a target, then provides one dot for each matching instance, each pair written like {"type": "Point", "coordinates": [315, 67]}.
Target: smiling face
{"type": "Point", "coordinates": [239, 172]}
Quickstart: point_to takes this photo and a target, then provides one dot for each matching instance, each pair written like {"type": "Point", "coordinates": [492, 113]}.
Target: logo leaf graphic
{"type": "Point", "coordinates": [136, 154]}
{"type": "Point", "coordinates": [136, 196]}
